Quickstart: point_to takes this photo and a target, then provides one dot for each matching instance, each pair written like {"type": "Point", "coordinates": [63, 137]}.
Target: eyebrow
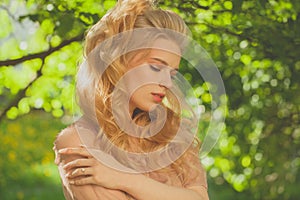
{"type": "Point", "coordinates": [164, 62]}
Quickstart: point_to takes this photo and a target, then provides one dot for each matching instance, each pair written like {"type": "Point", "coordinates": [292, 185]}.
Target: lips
{"type": "Point", "coordinates": [158, 97]}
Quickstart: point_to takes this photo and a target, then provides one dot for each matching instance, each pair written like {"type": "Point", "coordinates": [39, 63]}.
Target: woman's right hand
{"type": "Point", "coordinates": [88, 170]}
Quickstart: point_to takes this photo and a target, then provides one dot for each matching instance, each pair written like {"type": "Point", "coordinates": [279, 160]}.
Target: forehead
{"type": "Point", "coordinates": [166, 45]}
{"type": "Point", "coordinates": [166, 50]}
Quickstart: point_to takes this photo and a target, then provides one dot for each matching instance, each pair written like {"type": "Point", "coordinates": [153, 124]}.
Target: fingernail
{"type": "Point", "coordinates": [62, 151]}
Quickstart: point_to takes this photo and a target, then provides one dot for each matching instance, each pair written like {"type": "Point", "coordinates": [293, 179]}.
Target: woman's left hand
{"type": "Point", "coordinates": [88, 170]}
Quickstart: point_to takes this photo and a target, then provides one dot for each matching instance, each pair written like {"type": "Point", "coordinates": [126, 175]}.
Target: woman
{"type": "Point", "coordinates": [131, 112]}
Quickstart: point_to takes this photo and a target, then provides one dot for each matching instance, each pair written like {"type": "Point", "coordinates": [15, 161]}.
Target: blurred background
{"type": "Point", "coordinates": [254, 43]}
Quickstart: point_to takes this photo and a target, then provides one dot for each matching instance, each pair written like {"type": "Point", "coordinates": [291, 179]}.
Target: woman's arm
{"type": "Point", "coordinates": [137, 185]}
{"type": "Point", "coordinates": [68, 138]}
{"type": "Point", "coordinates": [144, 188]}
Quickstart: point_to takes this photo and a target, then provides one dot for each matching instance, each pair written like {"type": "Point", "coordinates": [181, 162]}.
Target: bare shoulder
{"type": "Point", "coordinates": [68, 137]}
{"type": "Point", "coordinates": [75, 134]}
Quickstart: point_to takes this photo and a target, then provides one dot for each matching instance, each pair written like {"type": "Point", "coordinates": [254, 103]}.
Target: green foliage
{"type": "Point", "coordinates": [255, 44]}
{"type": "Point", "coordinates": [27, 162]}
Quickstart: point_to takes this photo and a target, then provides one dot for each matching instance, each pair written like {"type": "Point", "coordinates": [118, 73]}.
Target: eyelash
{"type": "Point", "coordinates": [154, 68]}
{"type": "Point", "coordinates": [157, 69]}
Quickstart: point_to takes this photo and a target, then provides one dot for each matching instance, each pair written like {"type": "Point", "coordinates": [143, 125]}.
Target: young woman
{"type": "Point", "coordinates": [131, 112]}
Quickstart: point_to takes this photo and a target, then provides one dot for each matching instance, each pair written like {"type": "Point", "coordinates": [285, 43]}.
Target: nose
{"type": "Point", "coordinates": [166, 80]}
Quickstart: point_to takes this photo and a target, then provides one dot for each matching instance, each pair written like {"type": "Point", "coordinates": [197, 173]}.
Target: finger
{"type": "Point", "coordinates": [78, 163]}
{"type": "Point", "coordinates": [83, 181]}
{"type": "Point", "coordinates": [75, 151]}
{"type": "Point", "coordinates": [84, 171]}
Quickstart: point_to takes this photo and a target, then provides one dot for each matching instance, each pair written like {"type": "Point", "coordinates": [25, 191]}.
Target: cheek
{"type": "Point", "coordinates": [141, 94]}
{"type": "Point", "coordinates": [138, 94]}
{"type": "Point", "coordinates": [139, 77]}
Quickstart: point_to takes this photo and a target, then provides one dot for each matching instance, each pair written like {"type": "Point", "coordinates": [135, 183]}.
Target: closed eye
{"type": "Point", "coordinates": [155, 68]}
{"type": "Point", "coordinates": [158, 68]}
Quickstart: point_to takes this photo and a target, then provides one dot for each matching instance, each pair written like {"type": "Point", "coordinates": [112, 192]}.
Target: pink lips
{"type": "Point", "coordinates": [158, 97]}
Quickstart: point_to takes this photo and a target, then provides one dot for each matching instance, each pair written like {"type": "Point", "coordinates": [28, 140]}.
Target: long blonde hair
{"type": "Point", "coordinates": [125, 16]}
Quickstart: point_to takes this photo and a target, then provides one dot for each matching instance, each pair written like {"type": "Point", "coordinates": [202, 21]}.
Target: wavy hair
{"type": "Point", "coordinates": [92, 91]}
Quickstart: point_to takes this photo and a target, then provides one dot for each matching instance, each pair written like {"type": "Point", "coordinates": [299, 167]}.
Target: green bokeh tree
{"type": "Point", "coordinates": [255, 44]}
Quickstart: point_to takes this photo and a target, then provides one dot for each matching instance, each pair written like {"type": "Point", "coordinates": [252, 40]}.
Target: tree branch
{"type": "Point", "coordinates": [198, 6]}
{"type": "Point", "coordinates": [224, 30]}
{"type": "Point", "coordinates": [22, 92]}
{"type": "Point", "coordinates": [41, 55]}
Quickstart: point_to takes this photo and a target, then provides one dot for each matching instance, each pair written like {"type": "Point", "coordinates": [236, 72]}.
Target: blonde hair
{"type": "Point", "coordinates": [125, 16]}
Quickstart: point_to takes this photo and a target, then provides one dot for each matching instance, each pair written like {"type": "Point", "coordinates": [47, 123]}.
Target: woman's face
{"type": "Point", "coordinates": [156, 70]}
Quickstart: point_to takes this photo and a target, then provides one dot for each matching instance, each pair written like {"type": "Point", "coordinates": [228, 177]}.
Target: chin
{"type": "Point", "coordinates": [148, 108]}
